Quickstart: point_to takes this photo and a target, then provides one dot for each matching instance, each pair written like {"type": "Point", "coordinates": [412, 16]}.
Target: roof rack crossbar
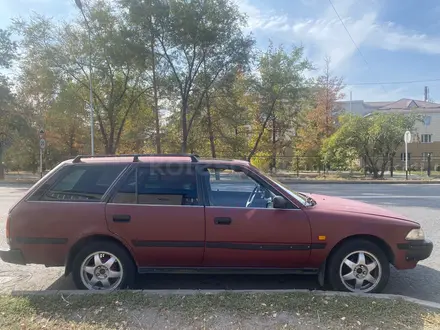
{"type": "Point", "coordinates": [194, 157]}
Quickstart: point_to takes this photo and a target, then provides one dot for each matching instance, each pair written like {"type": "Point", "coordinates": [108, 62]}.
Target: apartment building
{"type": "Point", "coordinates": [425, 136]}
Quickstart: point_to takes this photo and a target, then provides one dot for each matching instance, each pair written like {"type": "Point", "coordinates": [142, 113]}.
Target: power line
{"type": "Point", "coordinates": [394, 82]}
{"type": "Point", "coordinates": [352, 40]}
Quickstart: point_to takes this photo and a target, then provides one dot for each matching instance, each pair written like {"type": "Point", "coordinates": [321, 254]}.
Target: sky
{"type": "Point", "coordinates": [393, 40]}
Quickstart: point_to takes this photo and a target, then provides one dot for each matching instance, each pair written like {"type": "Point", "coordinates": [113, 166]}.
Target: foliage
{"type": "Point", "coordinates": [278, 89]}
{"type": "Point", "coordinates": [201, 41]}
{"type": "Point", "coordinates": [7, 115]}
{"type": "Point", "coordinates": [374, 138]}
{"type": "Point", "coordinates": [321, 118]}
{"type": "Point", "coordinates": [172, 76]}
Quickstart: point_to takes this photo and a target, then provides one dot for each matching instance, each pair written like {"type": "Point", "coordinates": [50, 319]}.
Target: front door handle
{"type": "Point", "coordinates": [222, 221]}
{"type": "Point", "coordinates": [121, 218]}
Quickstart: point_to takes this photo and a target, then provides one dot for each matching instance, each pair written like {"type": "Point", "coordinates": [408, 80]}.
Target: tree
{"type": "Point", "coordinates": [320, 121]}
{"type": "Point", "coordinates": [201, 41]}
{"type": "Point", "coordinates": [7, 55]}
{"type": "Point", "coordinates": [117, 81]}
{"type": "Point", "coordinates": [142, 19]}
{"type": "Point", "coordinates": [280, 83]}
{"type": "Point", "coordinates": [375, 138]}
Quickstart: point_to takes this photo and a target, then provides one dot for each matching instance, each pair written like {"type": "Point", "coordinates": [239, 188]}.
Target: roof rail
{"type": "Point", "coordinates": [194, 158]}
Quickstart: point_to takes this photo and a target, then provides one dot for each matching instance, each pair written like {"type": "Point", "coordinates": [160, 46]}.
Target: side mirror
{"type": "Point", "coordinates": [279, 202]}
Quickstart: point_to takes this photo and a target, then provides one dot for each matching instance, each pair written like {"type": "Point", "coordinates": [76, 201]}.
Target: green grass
{"type": "Point", "coordinates": [124, 310]}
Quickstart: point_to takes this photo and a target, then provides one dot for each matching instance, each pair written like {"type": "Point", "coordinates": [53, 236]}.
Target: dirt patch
{"type": "Point", "coordinates": [127, 310]}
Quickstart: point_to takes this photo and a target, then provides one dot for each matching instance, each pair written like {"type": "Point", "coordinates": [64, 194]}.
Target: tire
{"type": "Point", "coordinates": [345, 263]}
{"type": "Point", "coordinates": [90, 273]}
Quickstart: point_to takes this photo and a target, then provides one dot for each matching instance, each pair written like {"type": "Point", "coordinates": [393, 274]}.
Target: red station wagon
{"type": "Point", "coordinates": [107, 218]}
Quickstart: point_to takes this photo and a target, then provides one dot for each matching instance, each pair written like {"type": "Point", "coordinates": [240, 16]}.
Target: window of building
{"type": "Point", "coordinates": [403, 158]}
{"type": "Point", "coordinates": [426, 138]}
{"type": "Point", "coordinates": [427, 120]}
{"type": "Point", "coordinates": [82, 183]}
{"type": "Point", "coordinates": [159, 186]}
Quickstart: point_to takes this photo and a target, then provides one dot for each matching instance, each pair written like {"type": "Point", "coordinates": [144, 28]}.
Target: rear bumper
{"type": "Point", "coordinates": [12, 257]}
{"type": "Point", "coordinates": [417, 250]}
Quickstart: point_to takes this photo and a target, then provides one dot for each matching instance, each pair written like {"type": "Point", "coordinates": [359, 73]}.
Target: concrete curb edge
{"type": "Point", "coordinates": [293, 181]}
{"type": "Point", "coordinates": [65, 293]}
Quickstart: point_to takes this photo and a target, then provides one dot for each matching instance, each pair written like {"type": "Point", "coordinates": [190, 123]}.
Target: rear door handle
{"type": "Point", "coordinates": [222, 221]}
{"type": "Point", "coordinates": [121, 218]}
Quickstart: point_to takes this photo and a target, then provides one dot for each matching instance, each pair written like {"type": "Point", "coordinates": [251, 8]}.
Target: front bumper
{"type": "Point", "coordinates": [12, 257]}
{"type": "Point", "coordinates": [417, 250]}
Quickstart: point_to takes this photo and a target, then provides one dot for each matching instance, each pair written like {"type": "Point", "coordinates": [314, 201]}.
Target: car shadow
{"type": "Point", "coordinates": [422, 282]}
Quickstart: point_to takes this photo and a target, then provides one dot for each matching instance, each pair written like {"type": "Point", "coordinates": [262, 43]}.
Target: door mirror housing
{"type": "Point", "coordinates": [279, 202]}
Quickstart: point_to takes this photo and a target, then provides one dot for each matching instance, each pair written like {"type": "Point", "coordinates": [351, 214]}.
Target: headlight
{"type": "Point", "coordinates": [415, 235]}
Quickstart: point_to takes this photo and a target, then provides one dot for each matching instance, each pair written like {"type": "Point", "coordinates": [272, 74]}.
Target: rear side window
{"type": "Point", "coordinates": [159, 186]}
{"type": "Point", "coordinates": [82, 183]}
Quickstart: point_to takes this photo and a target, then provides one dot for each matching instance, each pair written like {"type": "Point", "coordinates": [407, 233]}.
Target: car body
{"type": "Point", "coordinates": [107, 218]}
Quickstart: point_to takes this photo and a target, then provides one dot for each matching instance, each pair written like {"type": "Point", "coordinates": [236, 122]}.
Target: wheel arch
{"type": "Point", "coordinates": [371, 238]}
{"type": "Point", "coordinates": [81, 243]}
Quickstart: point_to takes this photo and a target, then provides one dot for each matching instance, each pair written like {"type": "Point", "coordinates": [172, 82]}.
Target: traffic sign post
{"type": "Point", "coordinates": [407, 139]}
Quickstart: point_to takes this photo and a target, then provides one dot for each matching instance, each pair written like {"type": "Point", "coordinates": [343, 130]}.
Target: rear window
{"type": "Point", "coordinates": [81, 183]}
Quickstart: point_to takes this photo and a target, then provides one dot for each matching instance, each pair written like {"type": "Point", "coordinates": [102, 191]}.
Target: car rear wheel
{"type": "Point", "coordinates": [103, 266]}
{"type": "Point", "coordinates": [359, 266]}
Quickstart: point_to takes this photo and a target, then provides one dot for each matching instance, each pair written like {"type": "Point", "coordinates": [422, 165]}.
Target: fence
{"type": "Point", "coordinates": [308, 166]}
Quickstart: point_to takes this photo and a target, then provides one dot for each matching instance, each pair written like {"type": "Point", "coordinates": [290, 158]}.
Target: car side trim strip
{"type": "Point", "coordinates": [40, 240]}
{"type": "Point", "coordinates": [227, 270]}
{"type": "Point", "coordinates": [231, 246]}
{"type": "Point", "coordinates": [175, 244]}
{"type": "Point", "coordinates": [265, 247]}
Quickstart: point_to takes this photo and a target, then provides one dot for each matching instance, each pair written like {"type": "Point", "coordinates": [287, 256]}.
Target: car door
{"type": "Point", "coordinates": [244, 233]}
{"type": "Point", "coordinates": [156, 210]}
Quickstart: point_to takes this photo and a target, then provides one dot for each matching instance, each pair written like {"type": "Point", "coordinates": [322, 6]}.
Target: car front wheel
{"type": "Point", "coordinates": [359, 266]}
{"type": "Point", "coordinates": [103, 265]}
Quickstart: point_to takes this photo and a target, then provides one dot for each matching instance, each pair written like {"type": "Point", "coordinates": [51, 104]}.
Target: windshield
{"type": "Point", "coordinates": [303, 199]}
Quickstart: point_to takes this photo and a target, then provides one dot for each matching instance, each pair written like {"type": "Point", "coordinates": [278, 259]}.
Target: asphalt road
{"type": "Point", "coordinates": [420, 202]}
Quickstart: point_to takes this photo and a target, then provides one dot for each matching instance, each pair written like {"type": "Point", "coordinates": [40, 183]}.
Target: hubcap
{"type": "Point", "coordinates": [360, 271]}
{"type": "Point", "coordinates": [101, 271]}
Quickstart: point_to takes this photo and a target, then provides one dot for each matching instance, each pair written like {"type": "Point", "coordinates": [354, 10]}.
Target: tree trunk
{"type": "Point", "coordinates": [254, 149]}
{"type": "Point", "coordinates": [184, 125]}
{"type": "Point", "coordinates": [2, 169]}
{"type": "Point", "coordinates": [156, 107]}
{"type": "Point", "coordinates": [274, 147]}
{"type": "Point", "coordinates": [210, 128]}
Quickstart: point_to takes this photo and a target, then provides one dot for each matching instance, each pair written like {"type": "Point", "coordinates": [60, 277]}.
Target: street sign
{"type": "Point", "coordinates": [407, 137]}
{"type": "Point", "coordinates": [42, 143]}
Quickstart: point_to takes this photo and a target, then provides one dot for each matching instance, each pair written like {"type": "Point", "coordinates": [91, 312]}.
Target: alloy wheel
{"type": "Point", "coordinates": [360, 271]}
{"type": "Point", "coordinates": [101, 271]}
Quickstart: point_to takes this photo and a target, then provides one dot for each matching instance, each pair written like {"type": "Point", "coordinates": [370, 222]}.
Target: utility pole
{"type": "Point", "coordinates": [426, 93]}
{"type": "Point", "coordinates": [92, 130]}
{"type": "Point", "coordinates": [42, 147]}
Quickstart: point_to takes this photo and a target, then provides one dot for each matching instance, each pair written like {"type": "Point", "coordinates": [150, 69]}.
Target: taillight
{"type": "Point", "coordinates": [8, 226]}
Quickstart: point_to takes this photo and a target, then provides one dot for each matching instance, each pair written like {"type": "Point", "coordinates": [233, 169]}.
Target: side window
{"type": "Point", "coordinates": [159, 186]}
{"type": "Point", "coordinates": [83, 183]}
{"type": "Point", "coordinates": [235, 188]}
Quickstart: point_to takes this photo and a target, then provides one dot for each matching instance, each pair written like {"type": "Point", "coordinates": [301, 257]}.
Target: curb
{"type": "Point", "coordinates": [382, 296]}
{"type": "Point", "coordinates": [295, 181]}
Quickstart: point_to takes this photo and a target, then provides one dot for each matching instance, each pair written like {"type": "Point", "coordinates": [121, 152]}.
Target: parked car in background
{"type": "Point", "coordinates": [105, 219]}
